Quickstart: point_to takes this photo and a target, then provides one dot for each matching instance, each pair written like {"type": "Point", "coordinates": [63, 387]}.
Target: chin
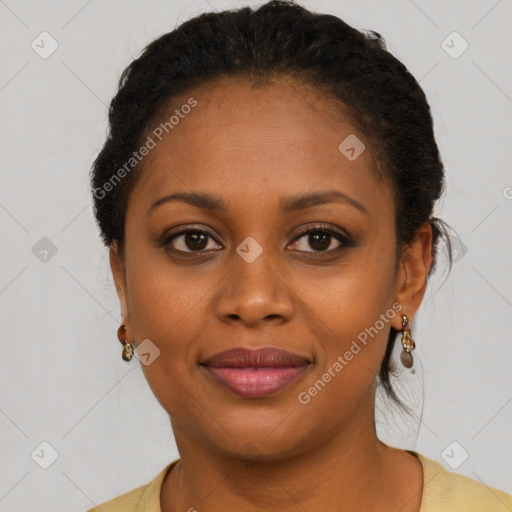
{"type": "Point", "coordinates": [258, 444]}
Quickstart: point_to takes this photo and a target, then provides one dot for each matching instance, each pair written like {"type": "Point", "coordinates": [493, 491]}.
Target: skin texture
{"type": "Point", "coordinates": [251, 146]}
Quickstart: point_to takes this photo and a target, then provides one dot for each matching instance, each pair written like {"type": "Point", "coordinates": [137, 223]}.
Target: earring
{"type": "Point", "coordinates": [128, 348]}
{"type": "Point", "coordinates": [407, 343]}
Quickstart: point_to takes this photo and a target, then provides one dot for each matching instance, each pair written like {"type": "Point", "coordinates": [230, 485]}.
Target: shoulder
{"type": "Point", "coordinates": [145, 498]}
{"type": "Point", "coordinates": [128, 502]}
{"type": "Point", "coordinates": [447, 491]}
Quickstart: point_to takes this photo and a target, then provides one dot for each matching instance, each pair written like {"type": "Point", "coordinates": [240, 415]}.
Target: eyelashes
{"type": "Point", "coordinates": [199, 238]}
{"type": "Point", "coordinates": [324, 232]}
{"type": "Point", "coordinates": [194, 240]}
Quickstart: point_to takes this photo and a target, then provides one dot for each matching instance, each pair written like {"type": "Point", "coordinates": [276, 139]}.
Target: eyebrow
{"type": "Point", "coordinates": [288, 204]}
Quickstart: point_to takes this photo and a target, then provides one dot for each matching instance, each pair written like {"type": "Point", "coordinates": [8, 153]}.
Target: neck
{"type": "Point", "coordinates": [350, 470]}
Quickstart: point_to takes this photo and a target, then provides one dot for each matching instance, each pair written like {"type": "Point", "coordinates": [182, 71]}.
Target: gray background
{"type": "Point", "coordinates": [62, 378]}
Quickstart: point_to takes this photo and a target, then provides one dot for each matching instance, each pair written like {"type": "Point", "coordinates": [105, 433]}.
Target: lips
{"type": "Point", "coordinates": [260, 358]}
{"type": "Point", "coordinates": [255, 373]}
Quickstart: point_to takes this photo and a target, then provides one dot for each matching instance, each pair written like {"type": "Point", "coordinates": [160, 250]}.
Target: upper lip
{"type": "Point", "coordinates": [257, 358]}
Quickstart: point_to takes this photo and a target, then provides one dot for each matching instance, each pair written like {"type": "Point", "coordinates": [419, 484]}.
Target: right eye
{"type": "Point", "coordinates": [190, 240]}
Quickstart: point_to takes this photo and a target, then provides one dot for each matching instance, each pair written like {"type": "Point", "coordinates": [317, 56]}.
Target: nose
{"type": "Point", "coordinates": [254, 292]}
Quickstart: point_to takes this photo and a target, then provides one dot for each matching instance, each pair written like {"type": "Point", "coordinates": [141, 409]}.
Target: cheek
{"type": "Point", "coordinates": [350, 315]}
{"type": "Point", "coordinates": [167, 305]}
{"type": "Point", "coordinates": [349, 299]}
{"type": "Point", "coordinates": [164, 300]}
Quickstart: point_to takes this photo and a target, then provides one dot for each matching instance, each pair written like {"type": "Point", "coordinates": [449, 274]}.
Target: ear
{"type": "Point", "coordinates": [117, 267]}
{"type": "Point", "coordinates": [412, 279]}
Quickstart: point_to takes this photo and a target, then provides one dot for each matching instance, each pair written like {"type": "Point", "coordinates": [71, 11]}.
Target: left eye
{"type": "Point", "coordinates": [320, 240]}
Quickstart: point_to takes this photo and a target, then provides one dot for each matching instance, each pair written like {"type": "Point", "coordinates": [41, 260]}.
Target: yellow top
{"type": "Point", "coordinates": [443, 491]}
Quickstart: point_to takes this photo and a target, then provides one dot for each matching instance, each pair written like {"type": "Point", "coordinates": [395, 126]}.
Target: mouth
{"type": "Point", "coordinates": [255, 373]}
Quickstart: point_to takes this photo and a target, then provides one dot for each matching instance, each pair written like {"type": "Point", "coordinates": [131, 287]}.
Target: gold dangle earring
{"type": "Point", "coordinates": [407, 344]}
{"type": "Point", "coordinates": [128, 348]}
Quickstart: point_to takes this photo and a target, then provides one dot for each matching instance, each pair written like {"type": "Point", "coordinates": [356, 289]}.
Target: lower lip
{"type": "Point", "coordinates": [253, 383]}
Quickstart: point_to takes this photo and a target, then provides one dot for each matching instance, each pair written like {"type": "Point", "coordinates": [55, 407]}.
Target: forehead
{"type": "Point", "coordinates": [247, 139]}
{"type": "Point", "coordinates": [251, 114]}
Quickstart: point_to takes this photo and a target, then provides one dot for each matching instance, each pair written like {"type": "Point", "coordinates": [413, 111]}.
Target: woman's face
{"type": "Point", "coordinates": [254, 280]}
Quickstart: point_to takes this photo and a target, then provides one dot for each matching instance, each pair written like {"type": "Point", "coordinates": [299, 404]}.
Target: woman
{"type": "Point", "coordinates": [266, 192]}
